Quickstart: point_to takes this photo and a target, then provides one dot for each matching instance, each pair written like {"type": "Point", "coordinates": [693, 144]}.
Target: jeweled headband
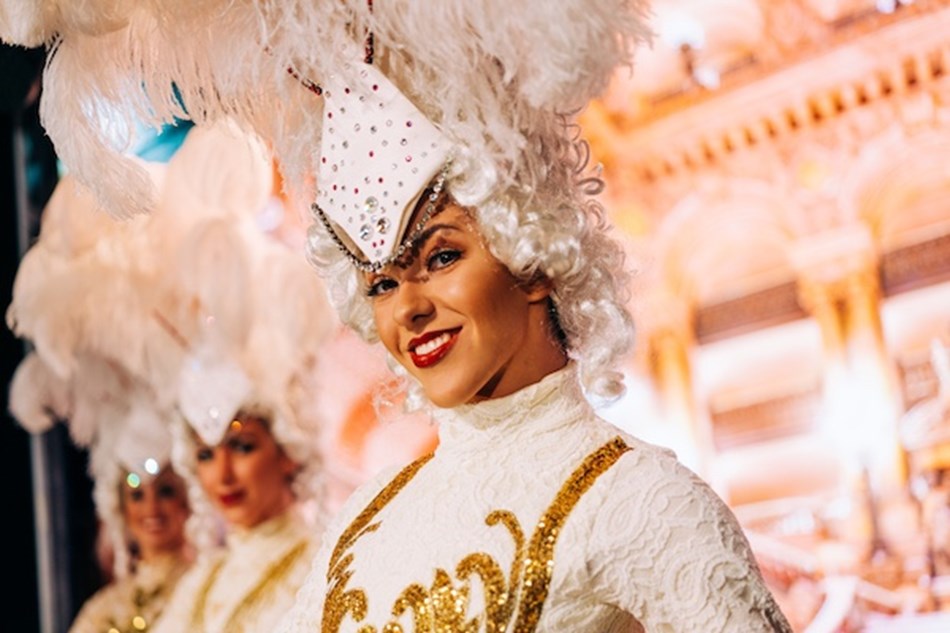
{"type": "Point", "coordinates": [380, 156]}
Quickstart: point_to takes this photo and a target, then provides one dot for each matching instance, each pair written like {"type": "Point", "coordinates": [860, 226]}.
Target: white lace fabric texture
{"type": "Point", "coordinates": [115, 604]}
{"type": "Point", "coordinates": [244, 587]}
{"type": "Point", "coordinates": [648, 547]}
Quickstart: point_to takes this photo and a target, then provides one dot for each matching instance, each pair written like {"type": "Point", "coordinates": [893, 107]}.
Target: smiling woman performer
{"type": "Point", "coordinates": [143, 506]}
{"type": "Point", "coordinates": [140, 500]}
{"type": "Point", "coordinates": [496, 291]}
{"type": "Point", "coordinates": [243, 469]}
{"type": "Point", "coordinates": [150, 498]}
{"type": "Point", "coordinates": [247, 441]}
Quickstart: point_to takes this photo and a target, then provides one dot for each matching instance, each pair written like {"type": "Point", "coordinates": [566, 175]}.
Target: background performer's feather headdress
{"type": "Point", "coordinates": [128, 317]}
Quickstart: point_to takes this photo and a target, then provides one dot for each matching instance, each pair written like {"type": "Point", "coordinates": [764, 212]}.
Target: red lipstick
{"type": "Point", "coordinates": [431, 347]}
{"type": "Point", "coordinates": [231, 499]}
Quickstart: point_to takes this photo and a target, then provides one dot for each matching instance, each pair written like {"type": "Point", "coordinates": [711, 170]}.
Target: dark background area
{"type": "Point", "coordinates": [66, 528]}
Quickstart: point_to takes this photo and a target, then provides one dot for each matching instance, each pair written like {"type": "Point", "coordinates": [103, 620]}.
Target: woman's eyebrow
{"type": "Point", "coordinates": [406, 259]}
{"type": "Point", "coordinates": [427, 234]}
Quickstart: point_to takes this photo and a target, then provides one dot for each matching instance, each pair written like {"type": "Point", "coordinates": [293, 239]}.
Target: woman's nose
{"type": "Point", "coordinates": [150, 500]}
{"type": "Point", "coordinates": [413, 304]}
{"type": "Point", "coordinates": [223, 470]}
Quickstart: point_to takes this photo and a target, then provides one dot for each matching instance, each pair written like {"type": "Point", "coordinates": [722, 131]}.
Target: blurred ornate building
{"type": "Point", "coordinates": [779, 169]}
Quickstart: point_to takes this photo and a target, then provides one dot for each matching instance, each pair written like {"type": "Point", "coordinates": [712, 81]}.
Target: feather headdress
{"type": "Point", "coordinates": [250, 313]}
{"type": "Point", "coordinates": [86, 295]}
{"type": "Point", "coordinates": [495, 79]}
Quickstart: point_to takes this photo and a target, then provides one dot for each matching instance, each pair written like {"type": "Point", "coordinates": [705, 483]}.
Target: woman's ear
{"type": "Point", "coordinates": [289, 467]}
{"type": "Point", "coordinates": [538, 288]}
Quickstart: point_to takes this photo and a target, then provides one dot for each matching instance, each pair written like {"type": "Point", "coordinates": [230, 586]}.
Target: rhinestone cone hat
{"type": "Point", "coordinates": [380, 155]}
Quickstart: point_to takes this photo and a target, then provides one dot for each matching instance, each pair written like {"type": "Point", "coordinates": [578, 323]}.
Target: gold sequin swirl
{"type": "Point", "coordinates": [339, 601]}
{"type": "Point", "coordinates": [443, 607]}
{"type": "Point", "coordinates": [271, 576]}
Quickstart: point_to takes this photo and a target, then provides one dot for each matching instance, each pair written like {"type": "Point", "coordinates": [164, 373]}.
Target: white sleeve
{"type": "Point", "coordinates": [666, 549]}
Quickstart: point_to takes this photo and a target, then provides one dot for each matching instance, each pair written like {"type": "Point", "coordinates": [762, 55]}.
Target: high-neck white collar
{"type": "Point", "coordinates": [553, 401]}
{"type": "Point", "coordinates": [286, 523]}
{"type": "Point", "coordinates": [159, 569]}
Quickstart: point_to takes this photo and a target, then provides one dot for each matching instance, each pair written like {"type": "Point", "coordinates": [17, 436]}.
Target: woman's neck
{"type": "Point", "coordinates": [542, 355]}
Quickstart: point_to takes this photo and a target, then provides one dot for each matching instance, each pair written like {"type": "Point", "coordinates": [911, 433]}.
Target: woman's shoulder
{"type": "Point", "coordinates": [640, 454]}
{"type": "Point", "coordinates": [96, 610]}
{"type": "Point", "coordinates": [652, 475]}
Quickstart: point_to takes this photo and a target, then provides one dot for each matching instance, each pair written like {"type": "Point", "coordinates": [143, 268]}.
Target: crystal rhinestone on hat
{"type": "Point", "coordinates": [211, 392]}
{"type": "Point", "coordinates": [379, 154]}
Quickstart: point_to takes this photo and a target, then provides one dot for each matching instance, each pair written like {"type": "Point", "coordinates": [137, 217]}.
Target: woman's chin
{"type": "Point", "coordinates": [446, 398]}
{"type": "Point", "coordinates": [442, 401]}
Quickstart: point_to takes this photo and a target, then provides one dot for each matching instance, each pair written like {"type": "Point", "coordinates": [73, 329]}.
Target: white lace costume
{"type": "Point", "coordinates": [247, 586]}
{"type": "Point", "coordinates": [535, 515]}
{"type": "Point", "coordinates": [134, 601]}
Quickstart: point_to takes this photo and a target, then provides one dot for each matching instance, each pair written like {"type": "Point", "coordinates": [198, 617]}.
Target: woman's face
{"type": "Point", "coordinates": [458, 320]}
{"type": "Point", "coordinates": [155, 512]}
{"type": "Point", "coordinates": [247, 476]}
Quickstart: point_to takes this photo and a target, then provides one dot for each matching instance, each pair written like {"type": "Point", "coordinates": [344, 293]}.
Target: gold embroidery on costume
{"type": "Point", "coordinates": [146, 605]}
{"type": "Point", "coordinates": [443, 607]}
{"type": "Point", "coordinates": [339, 601]}
{"type": "Point", "coordinates": [540, 563]}
{"type": "Point", "coordinates": [274, 573]}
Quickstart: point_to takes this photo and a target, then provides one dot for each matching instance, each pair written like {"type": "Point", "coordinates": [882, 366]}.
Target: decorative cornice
{"type": "Point", "coordinates": [795, 31]}
{"type": "Point", "coordinates": [877, 66]}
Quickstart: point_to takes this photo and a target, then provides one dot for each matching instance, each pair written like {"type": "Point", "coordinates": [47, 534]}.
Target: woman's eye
{"type": "Point", "coordinates": [380, 287]}
{"type": "Point", "coordinates": [167, 491]}
{"type": "Point", "coordinates": [442, 258]}
{"type": "Point", "coordinates": [136, 495]}
{"type": "Point", "coordinates": [204, 454]}
{"type": "Point", "coordinates": [242, 446]}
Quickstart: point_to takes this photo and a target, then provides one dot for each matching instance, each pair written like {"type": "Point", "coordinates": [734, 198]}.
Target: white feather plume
{"type": "Point", "coordinates": [499, 73]}
{"type": "Point", "coordinates": [38, 398]}
{"type": "Point", "coordinates": [27, 23]}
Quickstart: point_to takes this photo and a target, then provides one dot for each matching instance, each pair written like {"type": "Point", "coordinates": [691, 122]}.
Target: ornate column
{"type": "Point", "coordinates": [820, 299]}
{"type": "Point", "coordinates": [670, 340]}
{"type": "Point", "coordinates": [839, 285]}
{"type": "Point", "coordinates": [873, 369]}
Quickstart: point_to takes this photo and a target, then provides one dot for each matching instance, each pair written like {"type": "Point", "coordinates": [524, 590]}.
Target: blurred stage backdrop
{"type": "Point", "coordinates": [780, 173]}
